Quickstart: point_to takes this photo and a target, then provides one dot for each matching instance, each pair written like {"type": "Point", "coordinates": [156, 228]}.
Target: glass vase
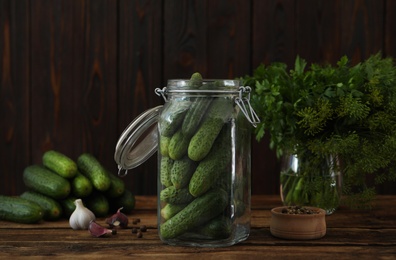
{"type": "Point", "coordinates": [309, 181]}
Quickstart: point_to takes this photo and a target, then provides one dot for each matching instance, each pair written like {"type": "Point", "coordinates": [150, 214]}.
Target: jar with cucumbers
{"type": "Point", "coordinates": [203, 136]}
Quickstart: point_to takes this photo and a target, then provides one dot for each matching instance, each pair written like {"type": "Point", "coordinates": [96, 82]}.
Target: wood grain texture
{"type": "Point", "coordinates": [74, 73]}
{"type": "Point", "coordinates": [350, 234]}
{"type": "Point", "coordinates": [273, 31]}
{"type": "Point", "coordinates": [390, 28]}
{"type": "Point", "coordinates": [139, 73]}
{"type": "Point", "coordinates": [206, 36]}
{"type": "Point", "coordinates": [74, 82]}
{"type": "Point", "coordinates": [15, 103]}
{"type": "Point", "coordinates": [362, 28]}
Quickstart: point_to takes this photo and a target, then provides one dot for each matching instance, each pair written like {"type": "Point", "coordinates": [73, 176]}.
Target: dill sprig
{"type": "Point", "coordinates": [327, 110]}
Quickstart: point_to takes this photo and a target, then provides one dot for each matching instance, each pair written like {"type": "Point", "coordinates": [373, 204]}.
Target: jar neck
{"type": "Point", "coordinates": [206, 84]}
{"type": "Point", "coordinates": [205, 88]}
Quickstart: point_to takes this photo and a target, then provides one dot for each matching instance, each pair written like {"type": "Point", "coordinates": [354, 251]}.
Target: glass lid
{"type": "Point", "coordinates": [139, 141]}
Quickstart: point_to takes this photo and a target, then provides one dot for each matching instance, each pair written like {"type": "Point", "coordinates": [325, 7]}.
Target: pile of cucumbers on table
{"type": "Point", "coordinates": [53, 186]}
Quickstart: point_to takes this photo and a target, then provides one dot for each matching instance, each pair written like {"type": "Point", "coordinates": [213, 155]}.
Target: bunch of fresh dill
{"type": "Point", "coordinates": [325, 110]}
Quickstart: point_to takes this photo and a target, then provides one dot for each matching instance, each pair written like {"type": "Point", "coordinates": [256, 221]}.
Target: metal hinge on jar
{"type": "Point", "coordinates": [242, 100]}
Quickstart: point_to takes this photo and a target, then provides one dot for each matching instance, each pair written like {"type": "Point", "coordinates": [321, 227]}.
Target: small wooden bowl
{"type": "Point", "coordinates": [298, 226]}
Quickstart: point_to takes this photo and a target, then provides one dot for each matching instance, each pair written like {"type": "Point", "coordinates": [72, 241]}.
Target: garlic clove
{"type": "Point", "coordinates": [97, 230]}
{"type": "Point", "coordinates": [81, 216]}
{"type": "Point", "coordinates": [118, 219]}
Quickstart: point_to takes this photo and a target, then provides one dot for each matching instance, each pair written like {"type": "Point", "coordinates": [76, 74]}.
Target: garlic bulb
{"type": "Point", "coordinates": [81, 217]}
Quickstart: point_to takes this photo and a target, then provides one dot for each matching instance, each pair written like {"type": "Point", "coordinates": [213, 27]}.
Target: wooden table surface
{"type": "Point", "coordinates": [365, 234]}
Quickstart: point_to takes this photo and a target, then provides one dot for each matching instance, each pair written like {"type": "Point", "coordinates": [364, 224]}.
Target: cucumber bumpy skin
{"type": "Point", "coordinates": [42, 180]}
{"type": "Point", "coordinates": [51, 208]}
{"type": "Point", "coordinates": [126, 201]}
{"type": "Point", "coordinates": [194, 116]}
{"type": "Point", "coordinates": [202, 141]}
{"type": "Point", "coordinates": [165, 171]}
{"type": "Point", "coordinates": [60, 164]}
{"type": "Point", "coordinates": [94, 171]}
{"type": "Point", "coordinates": [181, 172]}
{"type": "Point", "coordinates": [178, 145]}
{"type": "Point", "coordinates": [163, 145]}
{"type": "Point", "coordinates": [20, 210]}
{"type": "Point", "coordinates": [171, 209]}
{"type": "Point", "coordinates": [117, 186]}
{"type": "Point", "coordinates": [213, 166]}
{"type": "Point", "coordinates": [217, 228]}
{"type": "Point", "coordinates": [176, 196]}
{"type": "Point", "coordinates": [199, 211]}
{"type": "Point", "coordinates": [173, 115]}
{"type": "Point", "coordinates": [81, 186]}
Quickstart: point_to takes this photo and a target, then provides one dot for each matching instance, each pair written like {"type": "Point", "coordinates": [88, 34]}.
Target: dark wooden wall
{"type": "Point", "coordinates": [74, 73]}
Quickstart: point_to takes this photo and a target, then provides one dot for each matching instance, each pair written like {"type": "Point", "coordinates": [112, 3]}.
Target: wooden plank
{"type": "Point", "coordinates": [227, 38]}
{"type": "Point", "coordinates": [139, 73]}
{"type": "Point", "coordinates": [318, 30]}
{"type": "Point", "coordinates": [273, 31]}
{"type": "Point", "coordinates": [206, 36]}
{"type": "Point", "coordinates": [389, 50]}
{"type": "Point", "coordinates": [74, 78]}
{"type": "Point", "coordinates": [74, 52]}
{"type": "Point", "coordinates": [349, 234]}
{"type": "Point", "coordinates": [273, 35]}
{"type": "Point", "coordinates": [381, 215]}
{"type": "Point", "coordinates": [95, 119]}
{"type": "Point", "coordinates": [14, 94]}
{"type": "Point", "coordinates": [184, 39]}
{"type": "Point", "coordinates": [52, 89]}
{"type": "Point", "coordinates": [362, 28]}
{"type": "Point", "coordinates": [66, 243]}
{"type": "Point", "coordinates": [390, 28]}
{"type": "Point", "coordinates": [213, 39]}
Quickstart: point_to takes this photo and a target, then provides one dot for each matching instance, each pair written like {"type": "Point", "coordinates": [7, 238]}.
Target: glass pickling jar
{"type": "Point", "coordinates": [203, 137]}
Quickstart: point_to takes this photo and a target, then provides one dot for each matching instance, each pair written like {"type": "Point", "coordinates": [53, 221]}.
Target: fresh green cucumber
{"type": "Point", "coordinates": [45, 181]}
{"type": "Point", "coordinates": [172, 117]}
{"type": "Point", "coordinates": [126, 201]}
{"type": "Point", "coordinates": [176, 196]}
{"type": "Point", "coordinates": [68, 206]}
{"type": "Point", "coordinates": [194, 115]}
{"type": "Point", "coordinates": [163, 145]}
{"type": "Point", "coordinates": [195, 81]}
{"type": "Point", "coordinates": [202, 141]}
{"type": "Point", "coordinates": [94, 171]}
{"type": "Point", "coordinates": [81, 186]}
{"type": "Point", "coordinates": [52, 209]}
{"type": "Point", "coordinates": [173, 114]}
{"type": "Point", "coordinates": [196, 213]}
{"type": "Point", "coordinates": [60, 164]}
{"type": "Point", "coordinates": [169, 210]}
{"type": "Point", "coordinates": [181, 172]}
{"type": "Point", "coordinates": [166, 165]}
{"type": "Point", "coordinates": [178, 146]}
{"type": "Point", "coordinates": [117, 187]}
{"type": "Point", "coordinates": [217, 228]}
{"type": "Point", "coordinates": [97, 203]}
{"type": "Point", "coordinates": [20, 210]}
{"type": "Point", "coordinates": [213, 166]}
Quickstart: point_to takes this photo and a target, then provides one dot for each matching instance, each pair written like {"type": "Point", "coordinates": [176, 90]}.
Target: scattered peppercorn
{"type": "Point", "coordinates": [298, 210]}
{"type": "Point", "coordinates": [136, 220]}
{"type": "Point", "coordinates": [139, 234]}
{"type": "Point", "coordinates": [134, 230]}
{"type": "Point", "coordinates": [143, 228]}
